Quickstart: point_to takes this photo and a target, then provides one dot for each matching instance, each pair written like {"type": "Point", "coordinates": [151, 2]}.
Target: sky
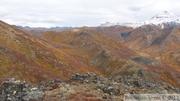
{"type": "Point", "coordinates": [51, 13]}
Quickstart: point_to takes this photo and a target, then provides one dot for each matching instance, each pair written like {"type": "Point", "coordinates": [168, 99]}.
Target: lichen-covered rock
{"type": "Point", "coordinates": [82, 87]}
{"type": "Point", "coordinates": [14, 90]}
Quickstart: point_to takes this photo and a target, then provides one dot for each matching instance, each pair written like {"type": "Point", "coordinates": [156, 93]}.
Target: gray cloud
{"type": "Point", "coordinates": [48, 13]}
{"type": "Point", "coordinates": [135, 8]}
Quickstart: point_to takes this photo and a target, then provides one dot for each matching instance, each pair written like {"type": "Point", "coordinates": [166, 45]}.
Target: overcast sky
{"type": "Point", "coordinates": [49, 13]}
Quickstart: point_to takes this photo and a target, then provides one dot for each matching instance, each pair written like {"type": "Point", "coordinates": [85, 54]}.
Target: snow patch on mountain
{"type": "Point", "coordinates": [106, 24]}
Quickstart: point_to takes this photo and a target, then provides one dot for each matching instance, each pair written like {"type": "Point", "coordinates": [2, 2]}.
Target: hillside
{"type": "Point", "coordinates": [153, 40]}
{"type": "Point", "coordinates": [160, 44]}
{"type": "Point", "coordinates": [28, 58]}
{"type": "Point", "coordinates": [113, 31]}
{"type": "Point", "coordinates": [110, 56]}
{"type": "Point", "coordinates": [95, 45]}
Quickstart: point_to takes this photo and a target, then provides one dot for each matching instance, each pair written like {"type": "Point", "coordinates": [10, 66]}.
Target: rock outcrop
{"type": "Point", "coordinates": [82, 87]}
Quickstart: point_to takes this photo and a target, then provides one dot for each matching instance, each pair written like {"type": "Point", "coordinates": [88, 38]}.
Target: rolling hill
{"type": "Point", "coordinates": [28, 58]}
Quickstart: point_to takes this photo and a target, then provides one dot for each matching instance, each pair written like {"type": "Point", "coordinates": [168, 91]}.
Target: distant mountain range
{"type": "Point", "coordinates": [162, 19]}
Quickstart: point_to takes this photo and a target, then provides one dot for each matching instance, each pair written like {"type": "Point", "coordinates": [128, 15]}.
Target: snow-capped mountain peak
{"type": "Point", "coordinates": [165, 14]}
{"type": "Point", "coordinates": [160, 19]}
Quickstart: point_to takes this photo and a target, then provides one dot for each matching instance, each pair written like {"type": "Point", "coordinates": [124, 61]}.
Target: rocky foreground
{"type": "Point", "coordinates": [82, 87]}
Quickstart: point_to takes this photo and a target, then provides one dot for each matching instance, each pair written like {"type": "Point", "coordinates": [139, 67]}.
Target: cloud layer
{"type": "Point", "coordinates": [48, 13]}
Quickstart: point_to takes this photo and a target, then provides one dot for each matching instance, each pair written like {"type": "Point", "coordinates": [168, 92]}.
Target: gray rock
{"type": "Point", "coordinates": [91, 74]}
{"type": "Point", "coordinates": [104, 96]}
{"type": "Point", "coordinates": [137, 84]}
{"type": "Point", "coordinates": [163, 92]}
{"type": "Point", "coordinates": [34, 95]}
{"type": "Point", "coordinates": [111, 91]}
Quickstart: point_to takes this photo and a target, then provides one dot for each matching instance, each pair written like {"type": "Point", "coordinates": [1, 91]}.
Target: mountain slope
{"type": "Point", "coordinates": [163, 45]}
{"type": "Point", "coordinates": [113, 31]}
{"type": "Point", "coordinates": [27, 58]}
{"type": "Point", "coordinates": [99, 48]}
{"type": "Point", "coordinates": [110, 56]}
{"type": "Point", "coordinates": [154, 40]}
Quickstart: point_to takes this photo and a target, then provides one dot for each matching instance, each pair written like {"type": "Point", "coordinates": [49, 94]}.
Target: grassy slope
{"type": "Point", "coordinates": [28, 58]}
